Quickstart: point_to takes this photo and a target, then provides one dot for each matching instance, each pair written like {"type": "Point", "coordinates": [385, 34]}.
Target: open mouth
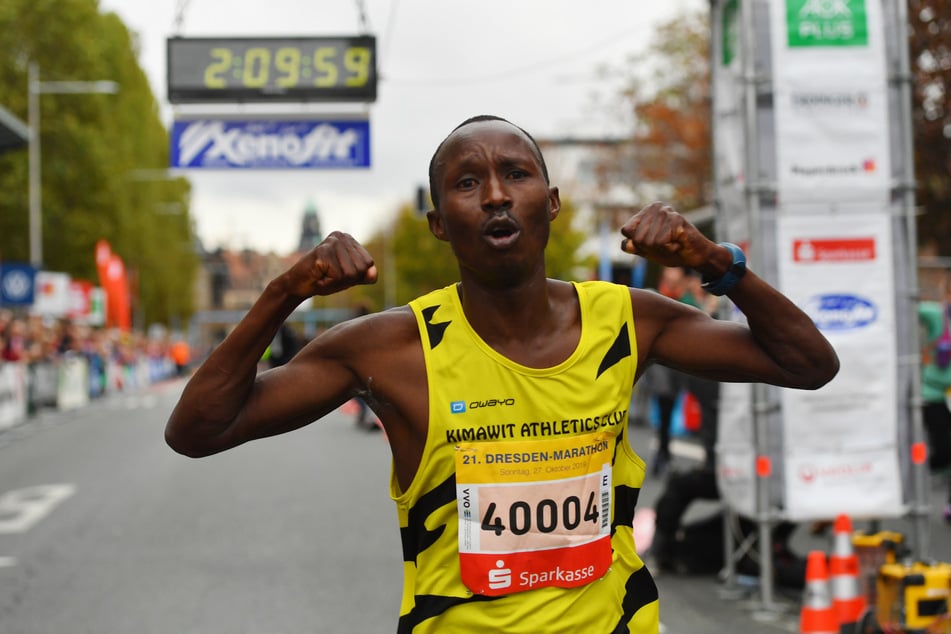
{"type": "Point", "coordinates": [501, 232]}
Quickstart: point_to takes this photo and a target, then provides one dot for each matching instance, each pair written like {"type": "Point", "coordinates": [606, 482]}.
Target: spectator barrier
{"type": "Point", "coordinates": [71, 382]}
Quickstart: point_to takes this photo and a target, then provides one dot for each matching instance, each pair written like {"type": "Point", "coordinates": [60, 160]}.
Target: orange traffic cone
{"type": "Point", "coordinates": [848, 602]}
{"type": "Point", "coordinates": [816, 615]}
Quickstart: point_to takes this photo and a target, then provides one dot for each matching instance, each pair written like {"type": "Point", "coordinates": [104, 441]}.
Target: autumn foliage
{"type": "Point", "coordinates": [929, 40]}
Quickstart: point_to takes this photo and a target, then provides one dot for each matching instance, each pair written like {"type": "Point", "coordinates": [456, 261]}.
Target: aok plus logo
{"type": "Point", "coordinates": [500, 577]}
{"type": "Point", "coordinates": [826, 23]}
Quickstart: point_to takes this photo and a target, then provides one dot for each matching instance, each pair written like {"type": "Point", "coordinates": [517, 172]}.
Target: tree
{"type": "Point", "coordinates": [666, 100]}
{"type": "Point", "coordinates": [92, 145]}
{"type": "Point", "coordinates": [666, 97]}
{"type": "Point", "coordinates": [670, 108]}
{"type": "Point", "coordinates": [563, 258]}
{"type": "Point", "coordinates": [929, 41]}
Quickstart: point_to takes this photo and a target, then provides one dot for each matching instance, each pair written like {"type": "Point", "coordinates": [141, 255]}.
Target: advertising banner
{"type": "Point", "coordinates": [728, 109]}
{"type": "Point", "coordinates": [79, 300]}
{"type": "Point", "coordinates": [728, 95]}
{"type": "Point", "coordinates": [820, 149]}
{"type": "Point", "coordinates": [839, 269]}
{"type": "Point", "coordinates": [17, 284]}
{"type": "Point", "coordinates": [736, 457]}
{"type": "Point", "coordinates": [13, 393]}
{"type": "Point", "coordinates": [112, 304]}
{"type": "Point", "coordinates": [268, 144]}
{"type": "Point", "coordinates": [52, 294]}
{"type": "Point", "coordinates": [97, 307]}
{"type": "Point", "coordinates": [865, 483]}
{"type": "Point", "coordinates": [831, 102]}
{"type": "Point", "coordinates": [736, 440]}
{"type": "Point", "coordinates": [118, 298]}
{"type": "Point", "coordinates": [72, 383]}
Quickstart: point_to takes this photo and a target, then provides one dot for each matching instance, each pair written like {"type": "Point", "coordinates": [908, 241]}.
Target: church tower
{"type": "Point", "coordinates": [310, 234]}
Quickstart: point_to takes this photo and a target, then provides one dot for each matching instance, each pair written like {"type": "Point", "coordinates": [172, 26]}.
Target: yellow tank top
{"type": "Point", "coordinates": [520, 516]}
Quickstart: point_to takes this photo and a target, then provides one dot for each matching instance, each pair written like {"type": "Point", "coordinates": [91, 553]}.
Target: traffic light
{"type": "Point", "coordinates": [422, 201]}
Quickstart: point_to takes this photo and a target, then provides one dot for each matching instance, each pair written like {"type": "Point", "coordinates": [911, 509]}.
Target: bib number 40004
{"type": "Point", "coordinates": [547, 516]}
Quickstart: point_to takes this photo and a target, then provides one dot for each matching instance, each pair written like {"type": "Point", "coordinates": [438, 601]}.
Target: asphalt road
{"type": "Point", "coordinates": [287, 535]}
{"type": "Point", "coordinates": [104, 530]}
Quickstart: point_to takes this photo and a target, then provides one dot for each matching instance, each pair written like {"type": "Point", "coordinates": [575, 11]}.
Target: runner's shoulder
{"type": "Point", "coordinates": [389, 327]}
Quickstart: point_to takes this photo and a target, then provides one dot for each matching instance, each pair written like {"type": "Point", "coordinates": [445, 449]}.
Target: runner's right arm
{"type": "Point", "coordinates": [226, 403]}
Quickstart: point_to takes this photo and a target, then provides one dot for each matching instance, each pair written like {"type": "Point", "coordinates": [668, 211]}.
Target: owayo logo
{"type": "Point", "coordinates": [841, 312]}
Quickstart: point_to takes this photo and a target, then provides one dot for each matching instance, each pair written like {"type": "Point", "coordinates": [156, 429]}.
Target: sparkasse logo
{"type": "Point", "coordinates": [500, 577]}
{"type": "Point", "coordinates": [833, 249]}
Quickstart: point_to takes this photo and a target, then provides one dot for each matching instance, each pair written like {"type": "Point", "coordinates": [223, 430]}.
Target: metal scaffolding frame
{"type": "Point", "coordinates": [756, 87]}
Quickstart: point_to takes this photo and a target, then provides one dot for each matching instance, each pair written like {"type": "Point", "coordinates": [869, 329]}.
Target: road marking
{"type": "Point", "coordinates": [7, 562]}
{"type": "Point", "coordinates": [22, 509]}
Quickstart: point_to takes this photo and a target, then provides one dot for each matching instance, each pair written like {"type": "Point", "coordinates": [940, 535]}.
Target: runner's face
{"type": "Point", "coordinates": [495, 205]}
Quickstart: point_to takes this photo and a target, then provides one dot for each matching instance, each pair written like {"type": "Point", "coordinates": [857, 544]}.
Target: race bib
{"type": "Point", "coordinates": [534, 513]}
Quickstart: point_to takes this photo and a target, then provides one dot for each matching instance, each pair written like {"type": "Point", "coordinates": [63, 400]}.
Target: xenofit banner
{"type": "Point", "coordinates": [225, 144]}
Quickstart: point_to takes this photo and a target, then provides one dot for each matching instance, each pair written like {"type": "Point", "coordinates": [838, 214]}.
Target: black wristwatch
{"type": "Point", "coordinates": [725, 283]}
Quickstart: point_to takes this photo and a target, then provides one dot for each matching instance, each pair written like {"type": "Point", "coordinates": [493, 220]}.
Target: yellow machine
{"type": "Point", "coordinates": [874, 551]}
{"type": "Point", "coordinates": [914, 598]}
{"type": "Point", "coordinates": [903, 597]}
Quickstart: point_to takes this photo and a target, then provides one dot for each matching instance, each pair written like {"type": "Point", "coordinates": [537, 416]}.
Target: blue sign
{"type": "Point", "coordinates": [17, 284]}
{"type": "Point", "coordinates": [842, 311]}
{"type": "Point", "coordinates": [225, 144]}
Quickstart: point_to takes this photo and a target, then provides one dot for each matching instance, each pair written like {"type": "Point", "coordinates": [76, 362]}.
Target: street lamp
{"type": "Point", "coordinates": [35, 89]}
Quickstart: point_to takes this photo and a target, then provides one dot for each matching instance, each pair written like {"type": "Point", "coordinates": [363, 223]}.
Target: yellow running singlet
{"type": "Point", "coordinates": [519, 517]}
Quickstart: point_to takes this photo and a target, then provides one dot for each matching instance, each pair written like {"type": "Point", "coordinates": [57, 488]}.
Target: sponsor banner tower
{"type": "Point", "coordinates": [812, 163]}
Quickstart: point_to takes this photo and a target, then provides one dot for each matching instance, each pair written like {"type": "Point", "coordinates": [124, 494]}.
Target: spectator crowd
{"type": "Point", "coordinates": [109, 359]}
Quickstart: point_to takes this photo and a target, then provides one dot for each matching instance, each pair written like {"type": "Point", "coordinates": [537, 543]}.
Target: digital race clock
{"type": "Point", "coordinates": [272, 69]}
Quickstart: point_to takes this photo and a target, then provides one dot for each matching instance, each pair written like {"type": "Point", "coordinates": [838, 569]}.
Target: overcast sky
{"type": "Point", "coordinates": [533, 62]}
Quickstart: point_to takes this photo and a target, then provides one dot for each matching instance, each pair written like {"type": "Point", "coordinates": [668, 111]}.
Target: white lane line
{"type": "Point", "coordinates": [21, 509]}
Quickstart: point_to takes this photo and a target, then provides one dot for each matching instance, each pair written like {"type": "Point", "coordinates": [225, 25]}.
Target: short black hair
{"type": "Point", "coordinates": [478, 119]}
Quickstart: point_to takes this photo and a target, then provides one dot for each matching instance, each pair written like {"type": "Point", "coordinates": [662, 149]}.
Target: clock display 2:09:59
{"type": "Point", "coordinates": [289, 67]}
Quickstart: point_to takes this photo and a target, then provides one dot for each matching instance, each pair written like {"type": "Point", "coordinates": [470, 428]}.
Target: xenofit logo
{"type": "Point", "coordinates": [282, 144]}
{"type": "Point", "coordinates": [841, 312]}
